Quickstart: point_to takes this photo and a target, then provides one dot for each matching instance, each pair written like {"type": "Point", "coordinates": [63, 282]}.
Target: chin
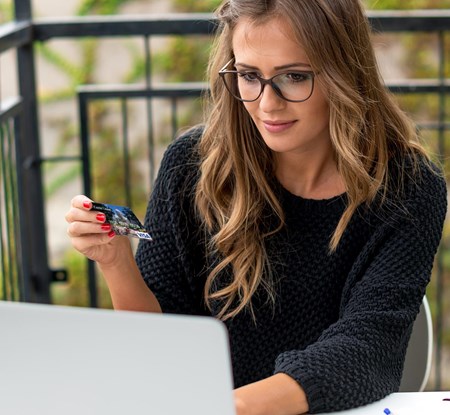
{"type": "Point", "coordinates": [281, 144]}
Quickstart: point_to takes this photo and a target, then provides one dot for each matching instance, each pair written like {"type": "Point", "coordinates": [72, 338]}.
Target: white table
{"type": "Point", "coordinates": [406, 403]}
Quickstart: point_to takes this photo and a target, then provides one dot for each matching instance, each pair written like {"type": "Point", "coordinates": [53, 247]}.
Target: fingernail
{"type": "Point", "coordinates": [106, 227]}
{"type": "Point", "coordinates": [101, 217]}
{"type": "Point", "coordinates": [111, 234]}
{"type": "Point", "coordinates": [87, 205]}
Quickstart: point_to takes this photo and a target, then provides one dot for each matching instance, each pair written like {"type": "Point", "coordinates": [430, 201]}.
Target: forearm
{"type": "Point", "coordinates": [126, 286]}
{"type": "Point", "coordinates": [276, 395]}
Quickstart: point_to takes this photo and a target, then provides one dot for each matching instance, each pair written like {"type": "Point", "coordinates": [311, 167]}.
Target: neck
{"type": "Point", "coordinates": [310, 175]}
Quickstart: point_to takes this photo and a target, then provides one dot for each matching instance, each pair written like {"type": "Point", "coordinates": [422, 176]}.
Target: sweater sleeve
{"type": "Point", "coordinates": [359, 358]}
{"type": "Point", "coordinates": [167, 263]}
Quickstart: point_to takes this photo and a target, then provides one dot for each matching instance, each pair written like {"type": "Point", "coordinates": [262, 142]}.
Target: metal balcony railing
{"type": "Point", "coordinates": [24, 264]}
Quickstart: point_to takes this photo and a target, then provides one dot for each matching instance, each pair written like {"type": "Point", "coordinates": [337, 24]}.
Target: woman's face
{"type": "Point", "coordinates": [286, 127]}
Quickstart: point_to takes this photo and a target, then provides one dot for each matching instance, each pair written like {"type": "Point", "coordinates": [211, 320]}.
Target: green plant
{"type": "Point", "coordinates": [6, 11]}
{"type": "Point", "coordinates": [406, 5]}
{"type": "Point", "coordinates": [198, 6]}
{"type": "Point", "coordinates": [75, 292]}
{"type": "Point", "coordinates": [185, 59]}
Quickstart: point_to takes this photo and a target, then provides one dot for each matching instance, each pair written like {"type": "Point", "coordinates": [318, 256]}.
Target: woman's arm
{"type": "Point", "coordinates": [173, 263]}
{"type": "Point", "coordinates": [127, 288]}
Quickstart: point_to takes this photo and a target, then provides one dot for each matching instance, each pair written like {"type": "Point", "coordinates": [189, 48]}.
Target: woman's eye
{"type": "Point", "coordinates": [297, 76]}
{"type": "Point", "coordinates": [248, 76]}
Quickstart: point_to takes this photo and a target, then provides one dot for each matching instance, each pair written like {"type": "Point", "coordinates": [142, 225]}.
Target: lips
{"type": "Point", "coordinates": [278, 126]}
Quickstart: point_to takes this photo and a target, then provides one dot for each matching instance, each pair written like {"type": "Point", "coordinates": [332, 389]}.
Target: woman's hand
{"type": "Point", "coordinates": [276, 395]}
{"type": "Point", "coordinates": [91, 235]}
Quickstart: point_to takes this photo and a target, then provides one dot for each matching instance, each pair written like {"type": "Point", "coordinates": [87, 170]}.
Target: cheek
{"type": "Point", "coordinates": [319, 107]}
{"type": "Point", "coordinates": [320, 101]}
{"type": "Point", "coordinates": [324, 112]}
{"type": "Point", "coordinates": [322, 116]}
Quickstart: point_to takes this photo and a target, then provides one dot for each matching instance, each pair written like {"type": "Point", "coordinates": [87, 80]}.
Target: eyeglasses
{"type": "Point", "coordinates": [293, 86]}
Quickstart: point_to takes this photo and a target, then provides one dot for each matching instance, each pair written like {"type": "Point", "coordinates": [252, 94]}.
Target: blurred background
{"type": "Point", "coordinates": [96, 117]}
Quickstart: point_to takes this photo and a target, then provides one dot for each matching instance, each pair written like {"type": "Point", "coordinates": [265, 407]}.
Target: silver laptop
{"type": "Point", "coordinates": [59, 360]}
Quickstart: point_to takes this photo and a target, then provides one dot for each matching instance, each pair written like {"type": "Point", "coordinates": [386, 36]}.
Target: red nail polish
{"type": "Point", "coordinates": [106, 227]}
{"type": "Point", "coordinates": [101, 217]}
{"type": "Point", "coordinates": [111, 234]}
{"type": "Point", "coordinates": [87, 205]}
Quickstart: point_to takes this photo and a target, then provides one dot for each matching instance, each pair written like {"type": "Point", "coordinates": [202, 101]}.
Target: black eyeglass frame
{"type": "Point", "coordinates": [263, 82]}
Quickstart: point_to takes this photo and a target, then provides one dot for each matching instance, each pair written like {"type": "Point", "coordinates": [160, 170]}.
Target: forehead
{"type": "Point", "coordinates": [272, 39]}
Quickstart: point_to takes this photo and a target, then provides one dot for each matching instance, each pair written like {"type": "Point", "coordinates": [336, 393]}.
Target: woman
{"type": "Point", "coordinates": [304, 214]}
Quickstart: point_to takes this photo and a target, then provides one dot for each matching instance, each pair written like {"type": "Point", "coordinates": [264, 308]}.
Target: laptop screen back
{"type": "Point", "coordinates": [75, 361]}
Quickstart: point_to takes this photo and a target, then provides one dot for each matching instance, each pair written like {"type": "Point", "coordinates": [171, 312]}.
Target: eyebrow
{"type": "Point", "coordinates": [277, 68]}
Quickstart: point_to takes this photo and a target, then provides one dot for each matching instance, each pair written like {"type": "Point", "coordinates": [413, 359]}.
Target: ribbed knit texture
{"type": "Point", "coordinates": [341, 322]}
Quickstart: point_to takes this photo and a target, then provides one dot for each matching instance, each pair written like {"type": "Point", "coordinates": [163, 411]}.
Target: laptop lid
{"type": "Point", "coordinates": [65, 360]}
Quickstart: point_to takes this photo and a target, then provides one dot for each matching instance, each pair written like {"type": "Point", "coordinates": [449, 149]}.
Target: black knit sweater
{"type": "Point", "coordinates": [341, 322]}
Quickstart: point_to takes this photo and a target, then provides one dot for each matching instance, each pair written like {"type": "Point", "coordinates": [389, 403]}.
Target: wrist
{"type": "Point", "coordinates": [122, 257]}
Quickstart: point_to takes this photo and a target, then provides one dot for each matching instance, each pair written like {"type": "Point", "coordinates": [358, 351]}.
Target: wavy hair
{"type": "Point", "coordinates": [235, 187]}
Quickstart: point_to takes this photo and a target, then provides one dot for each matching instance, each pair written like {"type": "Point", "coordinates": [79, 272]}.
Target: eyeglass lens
{"type": "Point", "coordinates": [293, 86]}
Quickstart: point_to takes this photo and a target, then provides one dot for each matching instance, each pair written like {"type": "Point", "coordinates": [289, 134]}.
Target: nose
{"type": "Point", "coordinates": [269, 101]}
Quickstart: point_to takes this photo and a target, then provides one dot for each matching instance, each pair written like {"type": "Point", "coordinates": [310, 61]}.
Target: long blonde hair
{"type": "Point", "coordinates": [366, 127]}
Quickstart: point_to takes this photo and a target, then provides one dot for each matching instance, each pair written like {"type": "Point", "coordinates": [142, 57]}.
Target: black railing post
{"type": "Point", "coordinates": [24, 253]}
{"type": "Point", "coordinates": [32, 192]}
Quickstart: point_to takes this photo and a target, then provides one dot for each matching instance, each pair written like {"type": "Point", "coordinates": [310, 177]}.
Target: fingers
{"type": "Point", "coordinates": [81, 202]}
{"type": "Point", "coordinates": [81, 211]}
{"type": "Point", "coordinates": [84, 221]}
{"type": "Point", "coordinates": [90, 233]}
{"type": "Point", "coordinates": [78, 228]}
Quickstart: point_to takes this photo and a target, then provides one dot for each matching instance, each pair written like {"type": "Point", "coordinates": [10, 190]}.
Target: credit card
{"type": "Point", "coordinates": [122, 220]}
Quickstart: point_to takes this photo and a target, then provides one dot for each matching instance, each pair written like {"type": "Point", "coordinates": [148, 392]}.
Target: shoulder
{"type": "Point", "coordinates": [184, 148]}
{"type": "Point", "coordinates": [418, 189]}
{"type": "Point", "coordinates": [181, 158]}
{"type": "Point", "coordinates": [419, 179]}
